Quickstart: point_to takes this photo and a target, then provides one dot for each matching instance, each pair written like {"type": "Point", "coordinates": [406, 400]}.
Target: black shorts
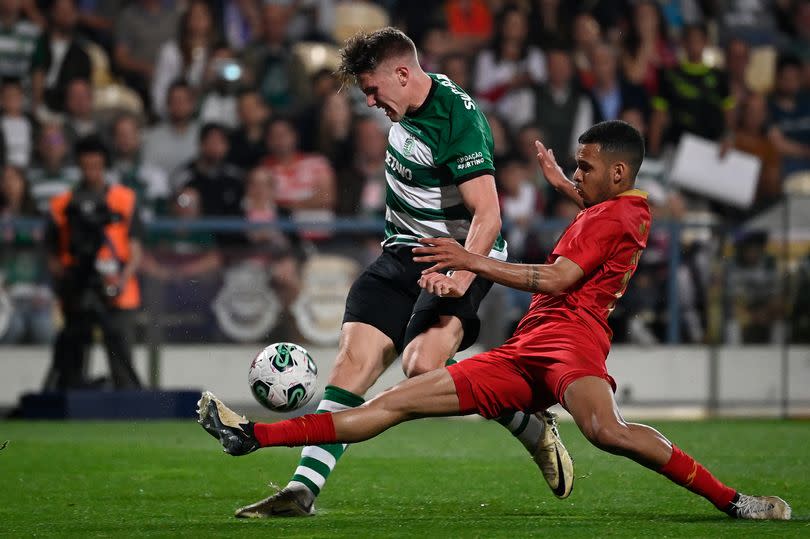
{"type": "Point", "coordinates": [387, 296]}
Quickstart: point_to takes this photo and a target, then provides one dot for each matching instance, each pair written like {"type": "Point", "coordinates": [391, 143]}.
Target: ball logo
{"type": "Point", "coordinates": [294, 396]}
{"type": "Point", "coordinates": [261, 391]}
{"type": "Point", "coordinates": [283, 358]}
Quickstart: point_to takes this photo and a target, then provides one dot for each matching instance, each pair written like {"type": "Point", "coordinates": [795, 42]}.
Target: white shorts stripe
{"type": "Point", "coordinates": [322, 455]}
{"type": "Point", "coordinates": [312, 475]}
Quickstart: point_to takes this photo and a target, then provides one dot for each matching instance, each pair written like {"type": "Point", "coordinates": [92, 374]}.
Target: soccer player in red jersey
{"type": "Point", "coordinates": [558, 351]}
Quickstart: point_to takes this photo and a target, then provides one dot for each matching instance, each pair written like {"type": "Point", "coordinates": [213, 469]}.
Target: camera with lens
{"type": "Point", "coordinates": [87, 216]}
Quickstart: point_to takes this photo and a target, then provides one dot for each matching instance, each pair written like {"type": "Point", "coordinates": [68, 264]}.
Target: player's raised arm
{"type": "Point", "coordinates": [554, 174]}
{"type": "Point", "coordinates": [448, 254]}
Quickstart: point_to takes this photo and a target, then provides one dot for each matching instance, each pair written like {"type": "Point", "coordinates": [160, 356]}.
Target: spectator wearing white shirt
{"type": "Point", "coordinates": [16, 126]}
{"type": "Point", "coordinates": [505, 71]}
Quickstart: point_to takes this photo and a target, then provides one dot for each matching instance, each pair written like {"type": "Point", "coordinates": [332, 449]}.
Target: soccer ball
{"type": "Point", "coordinates": [282, 377]}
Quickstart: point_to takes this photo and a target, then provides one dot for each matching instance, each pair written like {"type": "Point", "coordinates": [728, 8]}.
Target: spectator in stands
{"type": "Point", "coordinates": [562, 110]}
{"type": "Point", "coordinates": [174, 142]}
{"type": "Point", "coordinates": [645, 47]}
{"type": "Point", "coordinates": [279, 75]}
{"type": "Point", "coordinates": [219, 183]}
{"type": "Point", "coordinates": [59, 58]}
{"type": "Point", "coordinates": [519, 200]}
{"type": "Point", "coordinates": [17, 127]}
{"type": "Point", "coordinates": [789, 112]}
{"type": "Point", "coordinates": [223, 77]}
{"type": "Point", "coordinates": [334, 128]}
{"type": "Point", "coordinates": [587, 34]}
{"type": "Point", "coordinates": [753, 301]}
{"type": "Point", "coordinates": [97, 20]}
{"type": "Point", "coordinates": [737, 56]}
{"type": "Point", "coordinates": [305, 182]}
{"type": "Point", "coordinates": [21, 269]}
{"type": "Point", "coordinates": [434, 46]}
{"type": "Point", "coordinates": [506, 70]}
{"type": "Point", "coordinates": [469, 23]}
{"type": "Point", "coordinates": [550, 23]}
{"type": "Point", "coordinates": [183, 272]}
{"type": "Point", "coordinates": [270, 246]}
{"type": "Point", "coordinates": [693, 97]}
{"type": "Point", "coordinates": [750, 137]}
{"type": "Point", "coordinates": [240, 22]}
{"type": "Point", "coordinates": [457, 67]}
{"type": "Point", "coordinates": [182, 254]}
{"type": "Point", "coordinates": [150, 183]}
{"type": "Point", "coordinates": [361, 180]}
{"type": "Point", "coordinates": [247, 147]}
{"type": "Point", "coordinates": [53, 173]}
{"type": "Point", "coordinates": [185, 56]}
{"type": "Point", "coordinates": [324, 84]}
{"type": "Point", "coordinates": [501, 137]}
{"type": "Point", "coordinates": [527, 153]}
{"type": "Point", "coordinates": [141, 29]}
{"type": "Point", "coordinates": [18, 40]}
{"type": "Point", "coordinates": [612, 94]}
{"type": "Point", "coordinates": [80, 120]}
{"type": "Point", "coordinates": [800, 44]}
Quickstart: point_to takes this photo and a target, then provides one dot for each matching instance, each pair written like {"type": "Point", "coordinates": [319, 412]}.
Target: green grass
{"type": "Point", "coordinates": [431, 478]}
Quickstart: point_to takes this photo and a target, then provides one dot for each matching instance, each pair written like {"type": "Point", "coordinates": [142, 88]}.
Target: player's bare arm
{"type": "Point", "coordinates": [481, 198]}
{"type": "Point", "coordinates": [554, 174]}
{"type": "Point", "coordinates": [448, 254]}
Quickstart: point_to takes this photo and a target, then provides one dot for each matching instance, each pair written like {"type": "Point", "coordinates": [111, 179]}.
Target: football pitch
{"type": "Point", "coordinates": [430, 478]}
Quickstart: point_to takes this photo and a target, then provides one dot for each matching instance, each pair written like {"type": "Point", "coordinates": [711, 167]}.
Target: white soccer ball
{"type": "Point", "coordinates": [282, 377]}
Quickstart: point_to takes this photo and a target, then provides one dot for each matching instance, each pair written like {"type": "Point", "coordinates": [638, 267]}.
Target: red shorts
{"type": "Point", "coordinates": [529, 372]}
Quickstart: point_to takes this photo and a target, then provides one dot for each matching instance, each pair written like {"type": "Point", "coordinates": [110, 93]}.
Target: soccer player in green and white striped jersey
{"type": "Point", "coordinates": [440, 183]}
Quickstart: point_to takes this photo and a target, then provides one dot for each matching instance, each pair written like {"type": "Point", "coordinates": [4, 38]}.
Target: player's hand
{"type": "Point", "coordinates": [441, 285]}
{"type": "Point", "coordinates": [444, 253]}
{"type": "Point", "coordinates": [548, 164]}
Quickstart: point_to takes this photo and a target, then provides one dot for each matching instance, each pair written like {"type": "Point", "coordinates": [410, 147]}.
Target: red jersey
{"type": "Point", "coordinates": [606, 241]}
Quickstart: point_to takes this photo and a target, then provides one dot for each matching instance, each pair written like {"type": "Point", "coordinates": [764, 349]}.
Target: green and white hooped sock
{"type": "Point", "coordinates": [524, 427]}
{"type": "Point", "coordinates": [318, 461]}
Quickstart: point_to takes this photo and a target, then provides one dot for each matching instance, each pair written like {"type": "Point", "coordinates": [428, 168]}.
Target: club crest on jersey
{"type": "Point", "coordinates": [407, 148]}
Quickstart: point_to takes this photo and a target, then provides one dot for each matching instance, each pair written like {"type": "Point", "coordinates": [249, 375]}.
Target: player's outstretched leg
{"type": "Point", "coordinates": [429, 395]}
{"type": "Point", "coordinates": [590, 401]}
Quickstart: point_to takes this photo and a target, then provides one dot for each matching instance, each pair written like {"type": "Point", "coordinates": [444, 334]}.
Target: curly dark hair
{"type": "Point", "coordinates": [363, 52]}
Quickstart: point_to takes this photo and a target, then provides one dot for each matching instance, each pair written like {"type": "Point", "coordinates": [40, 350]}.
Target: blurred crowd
{"type": "Point", "coordinates": [229, 108]}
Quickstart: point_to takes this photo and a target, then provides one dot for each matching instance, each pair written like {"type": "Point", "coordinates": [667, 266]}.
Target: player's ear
{"type": "Point", "coordinates": [402, 73]}
{"type": "Point", "coordinates": [618, 171]}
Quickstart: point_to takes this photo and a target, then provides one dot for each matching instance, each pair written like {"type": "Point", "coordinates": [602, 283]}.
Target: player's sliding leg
{"type": "Point", "coordinates": [363, 354]}
{"type": "Point", "coordinates": [429, 395]}
{"type": "Point", "coordinates": [537, 432]}
{"type": "Point", "coordinates": [590, 401]}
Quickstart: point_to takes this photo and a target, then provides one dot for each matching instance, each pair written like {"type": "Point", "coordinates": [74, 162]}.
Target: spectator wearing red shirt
{"type": "Point", "coordinates": [305, 182]}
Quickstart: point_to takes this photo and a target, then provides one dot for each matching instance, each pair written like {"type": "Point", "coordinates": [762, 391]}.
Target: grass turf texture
{"type": "Point", "coordinates": [431, 478]}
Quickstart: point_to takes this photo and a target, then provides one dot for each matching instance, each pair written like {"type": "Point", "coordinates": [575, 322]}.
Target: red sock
{"type": "Point", "coordinates": [689, 473]}
{"type": "Point", "coordinates": [310, 429]}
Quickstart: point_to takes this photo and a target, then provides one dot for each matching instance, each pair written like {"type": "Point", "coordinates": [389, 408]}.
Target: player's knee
{"type": "Point", "coordinates": [416, 360]}
{"type": "Point", "coordinates": [351, 364]}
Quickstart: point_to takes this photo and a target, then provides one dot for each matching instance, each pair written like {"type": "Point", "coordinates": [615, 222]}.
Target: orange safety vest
{"type": "Point", "coordinates": [120, 200]}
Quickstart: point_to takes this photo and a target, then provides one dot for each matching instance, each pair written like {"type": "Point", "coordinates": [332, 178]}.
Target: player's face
{"type": "Point", "coordinates": [385, 89]}
{"type": "Point", "coordinates": [592, 179]}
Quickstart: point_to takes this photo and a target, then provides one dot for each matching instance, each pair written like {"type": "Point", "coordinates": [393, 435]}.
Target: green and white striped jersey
{"type": "Point", "coordinates": [431, 151]}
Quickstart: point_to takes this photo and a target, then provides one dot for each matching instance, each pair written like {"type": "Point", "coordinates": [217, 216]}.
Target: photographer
{"type": "Point", "coordinates": [93, 252]}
